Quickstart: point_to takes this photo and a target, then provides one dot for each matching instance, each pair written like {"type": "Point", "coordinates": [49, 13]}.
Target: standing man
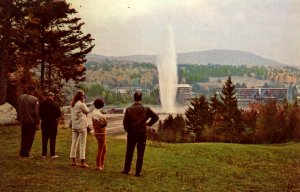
{"type": "Point", "coordinates": [135, 124]}
{"type": "Point", "coordinates": [28, 115]}
{"type": "Point", "coordinates": [49, 112]}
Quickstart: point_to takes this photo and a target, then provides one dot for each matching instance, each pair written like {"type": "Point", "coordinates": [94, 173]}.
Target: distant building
{"type": "Point", "coordinates": [125, 90]}
{"type": "Point", "coordinates": [184, 93]}
{"type": "Point", "coordinates": [246, 96]}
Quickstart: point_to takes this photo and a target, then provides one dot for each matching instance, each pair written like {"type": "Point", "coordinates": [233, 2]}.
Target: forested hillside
{"type": "Point", "coordinates": [112, 73]}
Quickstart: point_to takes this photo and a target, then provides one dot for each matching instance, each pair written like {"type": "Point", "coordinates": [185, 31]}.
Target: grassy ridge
{"type": "Point", "coordinates": [167, 167]}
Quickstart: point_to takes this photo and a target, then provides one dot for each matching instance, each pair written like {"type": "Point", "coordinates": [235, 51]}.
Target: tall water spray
{"type": "Point", "coordinates": [167, 71]}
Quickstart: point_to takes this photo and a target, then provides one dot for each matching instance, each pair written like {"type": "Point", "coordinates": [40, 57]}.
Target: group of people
{"type": "Point", "coordinates": [135, 123]}
{"type": "Point", "coordinates": [29, 113]}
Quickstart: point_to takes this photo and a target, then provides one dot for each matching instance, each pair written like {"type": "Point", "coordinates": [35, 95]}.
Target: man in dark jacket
{"type": "Point", "coordinates": [28, 115]}
{"type": "Point", "coordinates": [135, 124]}
{"type": "Point", "coordinates": [49, 112]}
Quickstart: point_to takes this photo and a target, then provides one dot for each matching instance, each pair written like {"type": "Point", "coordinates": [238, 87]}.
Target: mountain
{"type": "Point", "coordinates": [222, 57]}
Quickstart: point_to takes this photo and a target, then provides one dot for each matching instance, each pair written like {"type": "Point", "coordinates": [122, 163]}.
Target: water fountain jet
{"type": "Point", "coordinates": [167, 72]}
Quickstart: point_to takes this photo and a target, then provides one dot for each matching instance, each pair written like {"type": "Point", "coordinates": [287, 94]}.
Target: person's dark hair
{"type": "Point", "coordinates": [137, 96]}
{"type": "Point", "coordinates": [98, 103]}
{"type": "Point", "coordinates": [78, 96]}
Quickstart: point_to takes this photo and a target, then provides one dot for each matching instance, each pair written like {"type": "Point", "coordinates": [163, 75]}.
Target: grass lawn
{"type": "Point", "coordinates": [167, 167]}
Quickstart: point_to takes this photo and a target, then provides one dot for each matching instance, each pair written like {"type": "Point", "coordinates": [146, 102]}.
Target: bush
{"type": "Point", "coordinates": [173, 130]}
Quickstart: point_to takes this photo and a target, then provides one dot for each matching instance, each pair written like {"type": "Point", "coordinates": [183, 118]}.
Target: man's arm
{"type": "Point", "coordinates": [126, 122]}
{"type": "Point", "coordinates": [58, 111]}
{"type": "Point", "coordinates": [153, 117]}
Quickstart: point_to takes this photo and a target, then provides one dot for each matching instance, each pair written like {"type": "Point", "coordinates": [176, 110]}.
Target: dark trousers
{"type": "Point", "coordinates": [139, 140]}
{"type": "Point", "coordinates": [27, 136]}
{"type": "Point", "coordinates": [49, 132]}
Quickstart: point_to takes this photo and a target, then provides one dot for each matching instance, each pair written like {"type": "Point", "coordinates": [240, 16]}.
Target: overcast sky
{"type": "Point", "coordinates": [268, 28]}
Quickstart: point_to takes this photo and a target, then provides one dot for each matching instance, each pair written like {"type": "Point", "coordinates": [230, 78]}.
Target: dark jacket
{"type": "Point", "coordinates": [136, 116]}
{"type": "Point", "coordinates": [49, 112]}
{"type": "Point", "coordinates": [28, 109]}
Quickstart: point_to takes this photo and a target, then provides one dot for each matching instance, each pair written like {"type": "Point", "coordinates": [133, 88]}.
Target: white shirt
{"type": "Point", "coordinates": [78, 115]}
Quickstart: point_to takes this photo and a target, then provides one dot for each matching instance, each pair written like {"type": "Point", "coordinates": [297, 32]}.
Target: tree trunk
{"type": "Point", "coordinates": [12, 93]}
{"type": "Point", "coordinates": [4, 60]}
{"type": "Point", "coordinates": [42, 59]}
{"type": "Point", "coordinates": [3, 83]}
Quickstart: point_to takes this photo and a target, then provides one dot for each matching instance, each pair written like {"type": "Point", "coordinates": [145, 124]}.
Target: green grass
{"type": "Point", "coordinates": [167, 167]}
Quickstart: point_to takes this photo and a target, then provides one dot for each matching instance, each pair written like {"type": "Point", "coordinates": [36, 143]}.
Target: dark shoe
{"type": "Point", "coordinates": [138, 175]}
{"type": "Point", "coordinates": [124, 173]}
{"type": "Point", "coordinates": [24, 155]}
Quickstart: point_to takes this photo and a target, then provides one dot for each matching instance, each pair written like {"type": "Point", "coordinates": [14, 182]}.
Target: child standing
{"type": "Point", "coordinates": [99, 125]}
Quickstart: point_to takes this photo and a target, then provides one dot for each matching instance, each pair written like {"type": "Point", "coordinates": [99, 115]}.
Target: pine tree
{"type": "Point", "coordinates": [60, 45]}
{"type": "Point", "coordinates": [40, 39]}
{"type": "Point", "coordinates": [197, 116]}
{"type": "Point", "coordinates": [215, 119]}
{"type": "Point", "coordinates": [293, 123]}
{"type": "Point", "coordinates": [231, 113]}
{"type": "Point", "coordinates": [12, 17]}
{"type": "Point", "coordinates": [215, 108]}
{"type": "Point", "coordinates": [267, 122]}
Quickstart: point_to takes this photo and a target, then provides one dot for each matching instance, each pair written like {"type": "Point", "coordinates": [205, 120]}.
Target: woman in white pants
{"type": "Point", "coordinates": [79, 112]}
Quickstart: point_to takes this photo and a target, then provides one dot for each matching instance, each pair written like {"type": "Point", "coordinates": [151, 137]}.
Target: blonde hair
{"type": "Point", "coordinates": [78, 96]}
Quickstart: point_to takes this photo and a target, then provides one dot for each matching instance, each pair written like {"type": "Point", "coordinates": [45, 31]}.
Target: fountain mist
{"type": "Point", "coordinates": [167, 71]}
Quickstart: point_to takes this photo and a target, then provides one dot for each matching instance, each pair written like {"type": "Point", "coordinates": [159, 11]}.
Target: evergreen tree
{"type": "Point", "coordinates": [60, 45]}
{"type": "Point", "coordinates": [267, 122]}
{"type": "Point", "coordinates": [11, 15]}
{"type": "Point", "coordinates": [231, 113]}
{"type": "Point", "coordinates": [293, 123]}
{"type": "Point", "coordinates": [197, 116]}
{"type": "Point", "coordinates": [179, 127]}
{"type": "Point", "coordinates": [215, 108]}
{"type": "Point", "coordinates": [172, 129]}
{"type": "Point", "coordinates": [215, 121]}
{"type": "Point", "coordinates": [42, 39]}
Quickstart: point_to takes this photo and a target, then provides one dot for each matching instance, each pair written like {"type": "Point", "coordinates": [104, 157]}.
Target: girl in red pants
{"type": "Point", "coordinates": [99, 124]}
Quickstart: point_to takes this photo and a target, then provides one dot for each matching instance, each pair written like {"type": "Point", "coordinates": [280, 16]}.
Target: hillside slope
{"type": "Point", "coordinates": [222, 57]}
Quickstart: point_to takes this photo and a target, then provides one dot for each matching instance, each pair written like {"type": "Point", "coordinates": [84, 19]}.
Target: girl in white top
{"type": "Point", "coordinates": [79, 112]}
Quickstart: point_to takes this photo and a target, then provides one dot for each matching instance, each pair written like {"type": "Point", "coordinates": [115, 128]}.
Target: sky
{"type": "Point", "coordinates": [268, 28]}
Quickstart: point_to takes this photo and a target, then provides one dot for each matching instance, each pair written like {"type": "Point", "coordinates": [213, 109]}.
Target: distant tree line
{"type": "Point", "coordinates": [145, 75]}
{"type": "Point", "coordinates": [112, 97]}
{"type": "Point", "coordinates": [201, 73]}
{"type": "Point", "coordinates": [220, 120]}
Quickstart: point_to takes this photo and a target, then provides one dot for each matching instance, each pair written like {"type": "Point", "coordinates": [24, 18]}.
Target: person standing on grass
{"type": "Point", "coordinates": [49, 112]}
{"type": "Point", "coordinates": [79, 112]}
{"type": "Point", "coordinates": [99, 125]}
{"type": "Point", "coordinates": [28, 115]}
{"type": "Point", "coordinates": [135, 124]}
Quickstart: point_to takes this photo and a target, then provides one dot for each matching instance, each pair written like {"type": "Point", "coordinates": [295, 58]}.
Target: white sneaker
{"type": "Point", "coordinates": [54, 156]}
